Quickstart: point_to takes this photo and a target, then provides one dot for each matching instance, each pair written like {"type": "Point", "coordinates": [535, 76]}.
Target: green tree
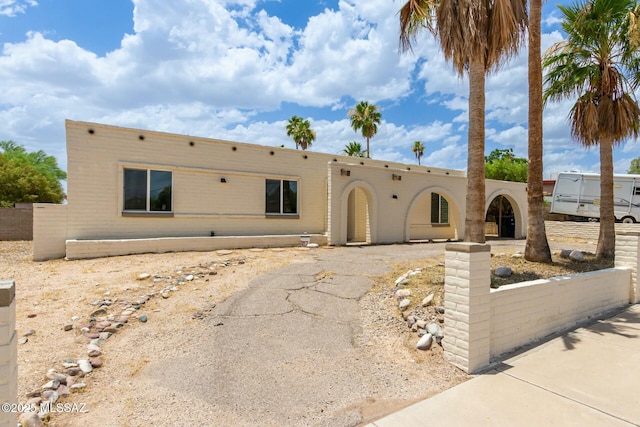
{"type": "Point", "coordinates": [418, 150]}
{"type": "Point", "coordinates": [365, 117]}
{"type": "Point", "coordinates": [598, 65]}
{"type": "Point", "coordinates": [353, 149]}
{"type": "Point", "coordinates": [503, 165]}
{"type": "Point", "coordinates": [634, 167]}
{"type": "Point", "coordinates": [301, 132]}
{"type": "Point", "coordinates": [476, 36]}
{"type": "Point", "coordinates": [537, 247]}
{"type": "Point", "coordinates": [28, 177]}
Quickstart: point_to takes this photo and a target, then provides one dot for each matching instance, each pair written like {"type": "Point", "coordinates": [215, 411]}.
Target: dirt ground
{"type": "Point", "coordinates": [50, 294]}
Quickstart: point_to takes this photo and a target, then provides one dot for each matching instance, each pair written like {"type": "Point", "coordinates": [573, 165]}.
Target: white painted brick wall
{"type": "Point", "coordinates": [483, 323]}
{"type": "Point", "coordinates": [467, 283]}
{"type": "Point", "coordinates": [627, 251]}
{"type": "Point", "coordinates": [525, 312]}
{"type": "Point", "coordinates": [8, 352]}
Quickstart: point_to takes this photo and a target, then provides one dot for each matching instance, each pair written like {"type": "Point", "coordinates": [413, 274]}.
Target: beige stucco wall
{"type": "Point", "coordinates": [98, 154]}
{"type": "Point", "coordinates": [49, 231]}
{"type": "Point", "coordinates": [201, 202]}
{"type": "Point", "coordinates": [407, 215]}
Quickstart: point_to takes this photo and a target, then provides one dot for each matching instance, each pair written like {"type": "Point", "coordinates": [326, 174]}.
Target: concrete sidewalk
{"type": "Point", "coordinates": [587, 377]}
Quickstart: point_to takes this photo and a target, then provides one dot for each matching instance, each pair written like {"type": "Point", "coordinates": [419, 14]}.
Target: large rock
{"type": "Point", "coordinates": [424, 343]}
{"type": "Point", "coordinates": [435, 330]}
{"type": "Point", "coordinates": [576, 256]}
{"type": "Point", "coordinates": [503, 272]}
{"type": "Point", "coordinates": [565, 253]}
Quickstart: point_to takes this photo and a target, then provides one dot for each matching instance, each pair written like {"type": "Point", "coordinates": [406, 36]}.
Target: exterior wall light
{"type": "Point", "coordinates": [223, 180]}
{"type": "Point", "coordinates": [345, 172]}
{"type": "Point", "coordinates": [395, 196]}
{"type": "Point", "coordinates": [396, 177]}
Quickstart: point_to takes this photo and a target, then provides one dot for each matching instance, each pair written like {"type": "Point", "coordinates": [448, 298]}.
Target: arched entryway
{"type": "Point", "coordinates": [434, 214]}
{"type": "Point", "coordinates": [501, 218]}
{"type": "Point", "coordinates": [358, 218]}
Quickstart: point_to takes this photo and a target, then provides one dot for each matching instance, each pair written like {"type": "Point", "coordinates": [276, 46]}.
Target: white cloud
{"type": "Point", "coordinates": [13, 7]}
{"type": "Point", "coordinates": [211, 67]}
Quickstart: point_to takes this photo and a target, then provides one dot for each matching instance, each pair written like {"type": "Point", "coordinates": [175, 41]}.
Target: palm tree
{"type": "Point", "coordinates": [476, 36]}
{"type": "Point", "coordinates": [353, 149]}
{"type": "Point", "coordinates": [418, 150]}
{"type": "Point", "coordinates": [365, 117]}
{"type": "Point", "coordinates": [301, 132]}
{"type": "Point", "coordinates": [537, 247]}
{"type": "Point", "coordinates": [599, 64]}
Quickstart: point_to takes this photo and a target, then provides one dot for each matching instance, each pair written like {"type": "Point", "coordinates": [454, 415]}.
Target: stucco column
{"type": "Point", "coordinates": [8, 352]}
{"type": "Point", "coordinates": [627, 252]}
{"type": "Point", "coordinates": [467, 287]}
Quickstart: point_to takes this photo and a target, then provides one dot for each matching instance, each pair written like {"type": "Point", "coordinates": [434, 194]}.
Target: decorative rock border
{"type": "Point", "coordinates": [108, 317]}
{"type": "Point", "coordinates": [426, 326]}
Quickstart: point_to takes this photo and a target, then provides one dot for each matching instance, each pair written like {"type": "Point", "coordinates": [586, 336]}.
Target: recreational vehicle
{"type": "Point", "coordinates": [578, 195]}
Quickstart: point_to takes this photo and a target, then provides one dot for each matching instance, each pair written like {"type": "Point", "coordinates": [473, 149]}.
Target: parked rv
{"type": "Point", "coordinates": [578, 195]}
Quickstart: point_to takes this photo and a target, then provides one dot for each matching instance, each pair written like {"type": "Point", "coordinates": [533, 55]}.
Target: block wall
{"type": "Point", "coordinates": [8, 352]}
{"type": "Point", "coordinates": [525, 312]}
{"type": "Point", "coordinates": [49, 231]}
{"type": "Point", "coordinates": [16, 224]}
{"type": "Point", "coordinates": [482, 324]}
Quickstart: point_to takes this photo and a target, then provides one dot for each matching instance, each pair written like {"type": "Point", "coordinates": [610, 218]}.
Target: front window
{"type": "Point", "coordinates": [147, 190]}
{"type": "Point", "coordinates": [439, 209]}
{"type": "Point", "coordinates": [281, 197]}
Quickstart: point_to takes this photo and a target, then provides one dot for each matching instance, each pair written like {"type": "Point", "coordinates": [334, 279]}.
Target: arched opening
{"type": "Point", "coordinates": [433, 215]}
{"type": "Point", "coordinates": [358, 218]}
{"type": "Point", "coordinates": [501, 219]}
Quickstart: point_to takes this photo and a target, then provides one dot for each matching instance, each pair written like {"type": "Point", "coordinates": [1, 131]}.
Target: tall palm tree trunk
{"type": "Point", "coordinates": [475, 212]}
{"type": "Point", "coordinates": [368, 149]}
{"type": "Point", "coordinates": [537, 246]}
{"type": "Point", "coordinates": [607, 239]}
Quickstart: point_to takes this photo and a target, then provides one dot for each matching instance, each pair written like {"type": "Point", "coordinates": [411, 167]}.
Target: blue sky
{"type": "Point", "coordinates": [239, 69]}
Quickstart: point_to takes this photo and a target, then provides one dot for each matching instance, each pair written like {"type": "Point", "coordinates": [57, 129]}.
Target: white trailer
{"type": "Point", "coordinates": [578, 194]}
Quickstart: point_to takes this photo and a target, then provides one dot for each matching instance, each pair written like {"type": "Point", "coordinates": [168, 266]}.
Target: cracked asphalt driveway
{"type": "Point", "coordinates": [289, 349]}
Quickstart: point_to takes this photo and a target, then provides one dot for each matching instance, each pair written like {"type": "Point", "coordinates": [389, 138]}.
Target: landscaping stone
{"type": "Point", "coordinates": [503, 272]}
{"type": "Point", "coordinates": [30, 419]}
{"type": "Point", "coordinates": [402, 293]}
{"type": "Point", "coordinates": [85, 365]}
{"type": "Point", "coordinates": [435, 330]}
{"type": "Point", "coordinates": [427, 300]}
{"type": "Point", "coordinates": [576, 256]}
{"type": "Point", "coordinates": [425, 342]}
{"type": "Point", "coordinates": [404, 304]}
{"type": "Point", "coordinates": [51, 385]}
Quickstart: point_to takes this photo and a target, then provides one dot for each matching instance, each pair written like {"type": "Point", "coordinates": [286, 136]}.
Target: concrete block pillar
{"type": "Point", "coordinates": [8, 352]}
{"type": "Point", "coordinates": [627, 252]}
{"type": "Point", "coordinates": [467, 303]}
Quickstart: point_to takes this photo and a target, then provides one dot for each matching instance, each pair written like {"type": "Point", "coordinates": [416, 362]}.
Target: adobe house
{"type": "Point", "coordinates": [136, 191]}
